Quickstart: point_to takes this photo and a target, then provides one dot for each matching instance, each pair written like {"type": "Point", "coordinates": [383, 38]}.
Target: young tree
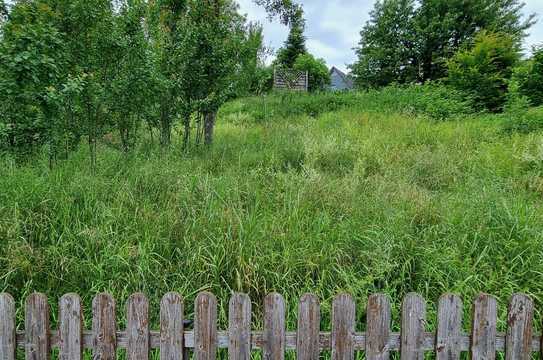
{"type": "Point", "coordinates": [295, 44]}
{"type": "Point", "coordinates": [387, 49]}
{"type": "Point", "coordinates": [32, 58]}
{"type": "Point", "coordinates": [484, 70]}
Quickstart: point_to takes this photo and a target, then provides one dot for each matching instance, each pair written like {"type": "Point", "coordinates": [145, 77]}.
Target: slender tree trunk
{"type": "Point", "coordinates": [209, 125]}
{"type": "Point", "coordinates": [165, 125]}
{"type": "Point", "coordinates": [186, 132]}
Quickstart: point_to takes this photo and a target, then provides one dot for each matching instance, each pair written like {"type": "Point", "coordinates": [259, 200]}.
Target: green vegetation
{"type": "Point", "coordinates": [412, 40]}
{"type": "Point", "coordinates": [484, 70]}
{"type": "Point", "coordinates": [377, 197]}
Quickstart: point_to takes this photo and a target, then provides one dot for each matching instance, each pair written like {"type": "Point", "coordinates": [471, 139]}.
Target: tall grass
{"type": "Point", "coordinates": [357, 199]}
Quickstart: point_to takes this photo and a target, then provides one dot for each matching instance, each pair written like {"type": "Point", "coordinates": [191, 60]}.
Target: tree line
{"type": "Point", "coordinates": [78, 70]}
{"type": "Point", "coordinates": [474, 46]}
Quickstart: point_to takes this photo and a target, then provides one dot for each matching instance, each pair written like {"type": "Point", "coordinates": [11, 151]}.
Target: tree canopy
{"type": "Point", "coordinates": [412, 40]}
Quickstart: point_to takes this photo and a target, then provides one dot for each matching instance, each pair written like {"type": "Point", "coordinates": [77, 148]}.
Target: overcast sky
{"type": "Point", "coordinates": [333, 27]}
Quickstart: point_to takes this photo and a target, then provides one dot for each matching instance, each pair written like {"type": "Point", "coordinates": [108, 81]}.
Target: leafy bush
{"type": "Point", "coordinates": [484, 70]}
{"type": "Point", "coordinates": [523, 120]}
{"type": "Point", "coordinates": [319, 76]}
{"type": "Point", "coordinates": [529, 78]}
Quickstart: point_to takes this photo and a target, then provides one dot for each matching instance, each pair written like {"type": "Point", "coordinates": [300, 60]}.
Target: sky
{"type": "Point", "coordinates": [333, 27]}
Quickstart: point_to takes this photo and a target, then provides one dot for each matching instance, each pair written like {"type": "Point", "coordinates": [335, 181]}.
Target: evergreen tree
{"type": "Point", "coordinates": [295, 44]}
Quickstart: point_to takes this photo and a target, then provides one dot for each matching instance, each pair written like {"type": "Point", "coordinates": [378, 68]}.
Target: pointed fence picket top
{"type": "Point", "coordinates": [175, 342]}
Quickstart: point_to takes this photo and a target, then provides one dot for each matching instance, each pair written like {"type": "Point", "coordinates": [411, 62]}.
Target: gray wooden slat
{"type": "Point", "coordinates": [309, 319]}
{"type": "Point", "coordinates": [483, 330]}
{"type": "Point", "coordinates": [137, 327]}
{"type": "Point", "coordinates": [171, 327]}
{"type": "Point", "coordinates": [239, 327]}
{"type": "Point", "coordinates": [70, 327]}
{"type": "Point", "coordinates": [273, 347]}
{"type": "Point", "coordinates": [104, 327]}
{"type": "Point", "coordinates": [343, 327]}
{"type": "Point", "coordinates": [413, 327]}
{"type": "Point", "coordinates": [378, 327]}
{"type": "Point", "coordinates": [205, 327]}
{"type": "Point", "coordinates": [519, 328]}
{"type": "Point", "coordinates": [8, 341]}
{"type": "Point", "coordinates": [449, 327]}
{"type": "Point", "coordinates": [37, 345]}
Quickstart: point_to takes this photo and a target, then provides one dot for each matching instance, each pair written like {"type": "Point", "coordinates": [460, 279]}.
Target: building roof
{"type": "Point", "coordinates": [340, 80]}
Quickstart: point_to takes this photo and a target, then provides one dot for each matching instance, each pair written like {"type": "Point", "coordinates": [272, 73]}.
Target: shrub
{"type": "Point", "coordinates": [523, 120]}
{"type": "Point", "coordinates": [484, 70]}
{"type": "Point", "coordinates": [529, 78]}
{"type": "Point", "coordinates": [319, 76]}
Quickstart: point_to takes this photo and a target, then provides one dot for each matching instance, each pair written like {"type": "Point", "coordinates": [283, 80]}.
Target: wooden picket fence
{"type": "Point", "coordinates": [173, 341]}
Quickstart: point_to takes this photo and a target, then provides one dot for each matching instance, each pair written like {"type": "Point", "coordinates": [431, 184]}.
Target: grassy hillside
{"type": "Point", "coordinates": [375, 195]}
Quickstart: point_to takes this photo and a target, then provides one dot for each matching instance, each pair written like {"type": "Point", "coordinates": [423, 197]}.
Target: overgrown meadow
{"type": "Point", "coordinates": [392, 191]}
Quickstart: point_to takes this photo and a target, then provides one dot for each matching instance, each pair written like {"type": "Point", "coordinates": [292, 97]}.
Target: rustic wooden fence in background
{"type": "Point", "coordinates": [343, 341]}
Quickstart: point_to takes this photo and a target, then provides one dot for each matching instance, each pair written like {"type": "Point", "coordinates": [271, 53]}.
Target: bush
{"type": "Point", "coordinates": [319, 76]}
{"type": "Point", "coordinates": [523, 120]}
{"type": "Point", "coordinates": [529, 78]}
{"type": "Point", "coordinates": [485, 70]}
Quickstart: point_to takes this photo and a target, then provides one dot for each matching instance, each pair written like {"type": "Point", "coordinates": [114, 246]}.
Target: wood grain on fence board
{"type": "Point", "coordinates": [70, 327]}
{"type": "Point", "coordinates": [378, 327]}
{"type": "Point", "coordinates": [273, 346]}
{"type": "Point", "coordinates": [239, 327]}
{"type": "Point", "coordinates": [343, 327]}
{"type": "Point", "coordinates": [171, 327]}
{"type": "Point", "coordinates": [483, 330]}
{"type": "Point", "coordinates": [309, 320]}
{"type": "Point", "coordinates": [449, 327]}
{"type": "Point", "coordinates": [519, 328]}
{"type": "Point", "coordinates": [104, 327]}
{"type": "Point", "coordinates": [37, 328]}
{"type": "Point", "coordinates": [137, 327]}
{"type": "Point", "coordinates": [205, 327]}
{"type": "Point", "coordinates": [412, 327]}
{"type": "Point", "coordinates": [8, 340]}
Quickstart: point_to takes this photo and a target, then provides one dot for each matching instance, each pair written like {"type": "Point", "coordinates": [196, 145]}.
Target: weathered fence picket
{"type": "Point", "coordinates": [104, 327]}
{"type": "Point", "coordinates": [343, 327]}
{"type": "Point", "coordinates": [171, 327]}
{"type": "Point", "coordinates": [274, 327]}
{"type": "Point", "coordinates": [8, 340]}
{"type": "Point", "coordinates": [174, 342]}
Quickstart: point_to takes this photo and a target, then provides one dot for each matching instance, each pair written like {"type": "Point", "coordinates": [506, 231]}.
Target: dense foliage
{"type": "Point", "coordinates": [83, 70]}
{"type": "Point", "coordinates": [412, 40]}
{"type": "Point", "coordinates": [484, 70]}
{"type": "Point", "coordinates": [529, 78]}
{"type": "Point", "coordinates": [317, 71]}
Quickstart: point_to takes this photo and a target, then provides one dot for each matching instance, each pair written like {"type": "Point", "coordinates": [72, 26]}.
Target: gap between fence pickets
{"type": "Point", "coordinates": [257, 340]}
